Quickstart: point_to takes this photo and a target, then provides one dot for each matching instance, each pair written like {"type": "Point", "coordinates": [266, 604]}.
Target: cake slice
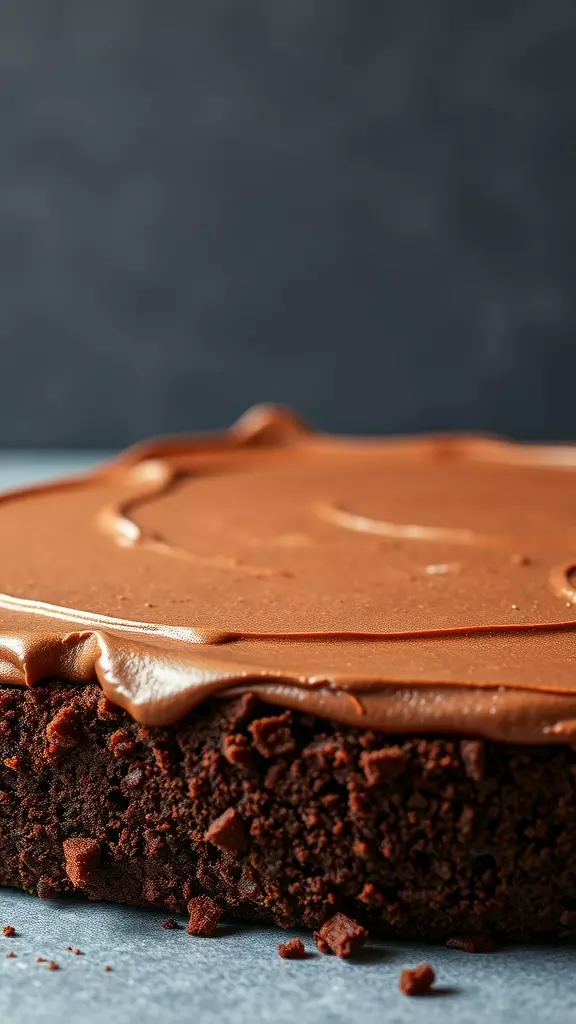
{"type": "Point", "coordinates": [300, 675]}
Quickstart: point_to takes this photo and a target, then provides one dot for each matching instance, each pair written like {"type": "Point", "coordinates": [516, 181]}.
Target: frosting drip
{"type": "Point", "coordinates": [412, 585]}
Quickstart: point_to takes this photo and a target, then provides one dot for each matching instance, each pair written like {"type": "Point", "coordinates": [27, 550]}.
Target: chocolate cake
{"type": "Point", "coordinates": [284, 675]}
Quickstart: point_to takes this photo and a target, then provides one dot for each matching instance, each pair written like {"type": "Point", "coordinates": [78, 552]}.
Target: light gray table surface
{"type": "Point", "coordinates": [238, 977]}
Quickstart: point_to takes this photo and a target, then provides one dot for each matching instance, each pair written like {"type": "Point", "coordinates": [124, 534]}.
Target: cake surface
{"type": "Point", "coordinates": [421, 584]}
{"type": "Point", "coordinates": [299, 674]}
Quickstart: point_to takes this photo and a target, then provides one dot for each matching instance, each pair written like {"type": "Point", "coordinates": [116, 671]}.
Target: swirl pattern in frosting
{"type": "Point", "coordinates": [410, 585]}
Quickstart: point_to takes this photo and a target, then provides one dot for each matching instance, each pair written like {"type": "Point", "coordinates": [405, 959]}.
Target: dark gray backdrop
{"type": "Point", "coordinates": [360, 207]}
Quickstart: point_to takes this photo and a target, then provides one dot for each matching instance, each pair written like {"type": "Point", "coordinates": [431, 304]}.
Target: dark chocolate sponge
{"type": "Point", "coordinates": [283, 817]}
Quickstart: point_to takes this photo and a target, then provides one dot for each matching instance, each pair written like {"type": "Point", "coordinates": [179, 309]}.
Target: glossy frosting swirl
{"type": "Point", "coordinates": [412, 585]}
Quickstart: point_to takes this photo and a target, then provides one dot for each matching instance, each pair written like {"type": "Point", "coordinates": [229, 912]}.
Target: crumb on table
{"type": "Point", "coordinates": [341, 935]}
{"type": "Point", "coordinates": [418, 981]}
{"type": "Point", "coordinates": [204, 916]}
{"type": "Point", "coordinates": [292, 950]}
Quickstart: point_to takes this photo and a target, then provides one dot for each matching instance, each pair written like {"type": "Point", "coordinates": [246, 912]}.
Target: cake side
{"type": "Point", "coordinates": [284, 817]}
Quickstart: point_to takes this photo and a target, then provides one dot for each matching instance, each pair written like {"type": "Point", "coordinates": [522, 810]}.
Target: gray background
{"type": "Point", "coordinates": [361, 207]}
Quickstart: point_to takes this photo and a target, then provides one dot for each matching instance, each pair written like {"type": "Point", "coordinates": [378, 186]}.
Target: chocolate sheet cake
{"type": "Point", "coordinates": [297, 675]}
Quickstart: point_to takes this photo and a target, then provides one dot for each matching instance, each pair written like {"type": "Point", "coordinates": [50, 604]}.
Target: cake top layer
{"type": "Point", "coordinates": [413, 584]}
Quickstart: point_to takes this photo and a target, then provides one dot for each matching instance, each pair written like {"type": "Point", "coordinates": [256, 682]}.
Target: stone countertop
{"type": "Point", "coordinates": [237, 977]}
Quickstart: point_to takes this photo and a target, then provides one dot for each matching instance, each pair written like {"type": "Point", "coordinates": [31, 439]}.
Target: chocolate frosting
{"type": "Point", "coordinates": [412, 585]}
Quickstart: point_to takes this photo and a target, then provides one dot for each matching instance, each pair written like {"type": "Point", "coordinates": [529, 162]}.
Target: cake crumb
{"type": "Point", "coordinates": [170, 924]}
{"type": "Point", "coordinates": [82, 858]}
{"type": "Point", "coordinates": [341, 935]}
{"type": "Point", "coordinates": [381, 766]}
{"type": "Point", "coordinates": [53, 966]}
{"type": "Point", "coordinates": [204, 916]}
{"type": "Point", "coordinates": [9, 931]}
{"type": "Point", "coordinates": [11, 954]}
{"type": "Point", "coordinates": [107, 967]}
{"type": "Point", "coordinates": [292, 950]}
{"type": "Point", "coordinates": [272, 736]}
{"type": "Point", "coordinates": [62, 732]}
{"type": "Point", "coordinates": [227, 832]}
{"type": "Point", "coordinates": [418, 981]}
{"type": "Point", "coordinates": [41, 960]}
{"type": "Point", "coordinates": [472, 943]}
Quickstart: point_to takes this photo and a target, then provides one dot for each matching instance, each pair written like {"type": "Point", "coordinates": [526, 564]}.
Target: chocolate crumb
{"type": "Point", "coordinates": [292, 950]}
{"type": "Point", "coordinates": [82, 857]}
{"type": "Point", "coordinates": [417, 981]}
{"type": "Point", "coordinates": [70, 949]}
{"type": "Point", "coordinates": [170, 924]}
{"type": "Point", "coordinates": [121, 744]}
{"type": "Point", "coordinates": [237, 750]}
{"type": "Point", "coordinates": [382, 765]}
{"type": "Point", "coordinates": [78, 952]}
{"type": "Point", "coordinates": [62, 732]}
{"type": "Point", "coordinates": [11, 954]}
{"type": "Point", "coordinates": [41, 960]}
{"type": "Point", "coordinates": [204, 916]}
{"type": "Point", "coordinates": [341, 935]}
{"type": "Point", "coordinates": [227, 832]}
{"type": "Point", "coordinates": [272, 736]}
{"type": "Point", "coordinates": [9, 931]}
{"type": "Point", "coordinates": [107, 967]}
{"type": "Point", "coordinates": [53, 966]}
{"type": "Point", "coordinates": [472, 943]}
